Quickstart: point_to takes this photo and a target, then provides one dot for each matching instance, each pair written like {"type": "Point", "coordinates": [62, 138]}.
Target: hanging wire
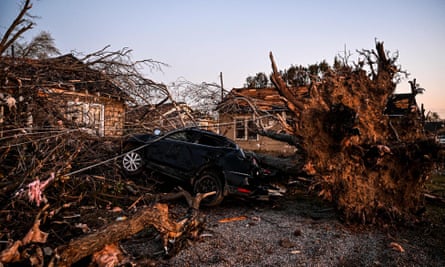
{"type": "Point", "coordinates": [40, 139]}
{"type": "Point", "coordinates": [147, 143]}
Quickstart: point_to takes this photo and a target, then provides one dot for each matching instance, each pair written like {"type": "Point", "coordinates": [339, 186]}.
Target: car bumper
{"type": "Point", "coordinates": [241, 184]}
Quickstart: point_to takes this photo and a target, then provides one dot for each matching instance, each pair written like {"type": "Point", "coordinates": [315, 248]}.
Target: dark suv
{"type": "Point", "coordinates": [202, 160]}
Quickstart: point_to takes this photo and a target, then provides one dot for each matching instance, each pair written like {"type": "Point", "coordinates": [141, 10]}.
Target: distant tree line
{"type": "Point", "coordinates": [298, 75]}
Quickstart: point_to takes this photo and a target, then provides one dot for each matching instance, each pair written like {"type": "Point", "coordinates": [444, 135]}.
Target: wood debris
{"type": "Point", "coordinates": [233, 219]}
{"type": "Point", "coordinates": [397, 247]}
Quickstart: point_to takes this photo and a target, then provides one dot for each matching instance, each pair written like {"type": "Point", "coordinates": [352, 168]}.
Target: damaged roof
{"type": "Point", "coordinates": [242, 99]}
{"type": "Point", "coordinates": [64, 72]}
{"type": "Point", "coordinates": [401, 104]}
{"type": "Point", "coordinates": [140, 113]}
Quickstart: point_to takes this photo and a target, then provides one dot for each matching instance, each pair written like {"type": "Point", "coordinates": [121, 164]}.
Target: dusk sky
{"type": "Point", "coordinates": [200, 39]}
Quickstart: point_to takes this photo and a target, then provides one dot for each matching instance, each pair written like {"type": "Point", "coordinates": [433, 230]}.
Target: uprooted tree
{"type": "Point", "coordinates": [370, 165]}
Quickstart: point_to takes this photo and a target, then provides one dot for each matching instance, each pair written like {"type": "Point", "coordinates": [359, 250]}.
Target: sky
{"type": "Point", "coordinates": [199, 39]}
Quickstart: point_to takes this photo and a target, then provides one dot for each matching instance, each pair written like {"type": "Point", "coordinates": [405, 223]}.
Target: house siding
{"type": "Point", "coordinates": [109, 122]}
{"type": "Point", "coordinates": [263, 144]}
{"type": "Point", "coordinates": [115, 117]}
{"type": "Point", "coordinates": [61, 92]}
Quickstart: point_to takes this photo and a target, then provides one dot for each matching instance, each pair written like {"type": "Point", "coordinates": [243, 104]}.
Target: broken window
{"type": "Point", "coordinates": [251, 130]}
{"type": "Point", "coordinates": [86, 115]}
{"type": "Point", "coordinates": [245, 129]}
{"type": "Point", "coordinates": [240, 131]}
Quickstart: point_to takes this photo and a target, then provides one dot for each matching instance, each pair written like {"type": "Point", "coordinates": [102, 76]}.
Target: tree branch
{"type": "Point", "coordinates": [20, 25]}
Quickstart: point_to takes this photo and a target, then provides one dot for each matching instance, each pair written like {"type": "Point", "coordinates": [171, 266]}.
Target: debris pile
{"type": "Point", "coordinates": [64, 201]}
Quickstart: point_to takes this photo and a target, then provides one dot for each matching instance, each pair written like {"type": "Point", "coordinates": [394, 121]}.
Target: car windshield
{"type": "Point", "coordinates": [210, 140]}
{"type": "Point", "coordinates": [201, 138]}
{"type": "Point", "coordinates": [182, 136]}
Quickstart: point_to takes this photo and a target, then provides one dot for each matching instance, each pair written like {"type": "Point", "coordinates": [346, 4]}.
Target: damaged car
{"type": "Point", "coordinates": [200, 160]}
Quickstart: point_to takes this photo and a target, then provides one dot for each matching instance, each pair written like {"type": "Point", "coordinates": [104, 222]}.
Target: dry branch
{"type": "Point", "coordinates": [295, 104]}
{"type": "Point", "coordinates": [19, 26]}
{"type": "Point", "coordinates": [156, 216]}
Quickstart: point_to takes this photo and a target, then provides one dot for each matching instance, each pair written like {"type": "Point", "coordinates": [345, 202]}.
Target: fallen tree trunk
{"type": "Point", "coordinates": [291, 165]}
{"type": "Point", "coordinates": [156, 216]}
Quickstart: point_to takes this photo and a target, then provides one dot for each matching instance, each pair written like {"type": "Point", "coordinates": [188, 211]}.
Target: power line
{"type": "Point", "coordinates": [121, 155]}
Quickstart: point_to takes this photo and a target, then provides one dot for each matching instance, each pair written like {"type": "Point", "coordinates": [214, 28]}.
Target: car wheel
{"type": "Point", "coordinates": [133, 162]}
{"type": "Point", "coordinates": [209, 182]}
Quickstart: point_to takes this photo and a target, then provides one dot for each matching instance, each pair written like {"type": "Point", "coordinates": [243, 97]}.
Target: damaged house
{"type": "Point", "coordinates": [243, 109]}
{"type": "Point", "coordinates": [59, 92]}
{"type": "Point", "coordinates": [404, 112]}
{"type": "Point", "coordinates": [165, 116]}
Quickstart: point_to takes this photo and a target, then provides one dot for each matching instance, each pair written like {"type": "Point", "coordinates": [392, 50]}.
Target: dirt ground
{"type": "Point", "coordinates": [300, 230]}
{"type": "Point", "coordinates": [295, 230]}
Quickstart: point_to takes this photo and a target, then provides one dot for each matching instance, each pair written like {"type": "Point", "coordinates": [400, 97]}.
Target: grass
{"type": "Point", "coordinates": [436, 185]}
{"type": "Point", "coordinates": [436, 210]}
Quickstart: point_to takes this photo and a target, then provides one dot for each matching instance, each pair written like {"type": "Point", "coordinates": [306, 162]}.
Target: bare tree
{"type": "Point", "coordinates": [433, 116]}
{"type": "Point", "coordinates": [22, 23]}
{"type": "Point", "coordinates": [126, 73]}
{"type": "Point", "coordinates": [40, 47]}
{"type": "Point", "coordinates": [202, 97]}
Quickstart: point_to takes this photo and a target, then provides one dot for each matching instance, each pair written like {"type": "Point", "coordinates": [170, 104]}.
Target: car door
{"type": "Point", "coordinates": [155, 155]}
{"type": "Point", "coordinates": [178, 154]}
{"type": "Point", "coordinates": [210, 150]}
{"type": "Point", "coordinates": [191, 154]}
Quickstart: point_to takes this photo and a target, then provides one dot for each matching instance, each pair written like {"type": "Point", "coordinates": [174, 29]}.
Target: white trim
{"type": "Point", "coordinates": [246, 120]}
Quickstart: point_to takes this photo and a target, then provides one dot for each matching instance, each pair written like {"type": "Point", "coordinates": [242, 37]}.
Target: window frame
{"type": "Point", "coordinates": [88, 115]}
{"type": "Point", "coordinates": [247, 135]}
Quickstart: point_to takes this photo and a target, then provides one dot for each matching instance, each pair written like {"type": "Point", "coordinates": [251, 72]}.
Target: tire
{"type": "Point", "coordinates": [209, 182]}
{"type": "Point", "coordinates": [133, 161]}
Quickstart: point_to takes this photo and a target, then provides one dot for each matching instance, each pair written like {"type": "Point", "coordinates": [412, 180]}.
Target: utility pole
{"type": "Point", "coordinates": [222, 96]}
{"type": "Point", "coordinates": [222, 85]}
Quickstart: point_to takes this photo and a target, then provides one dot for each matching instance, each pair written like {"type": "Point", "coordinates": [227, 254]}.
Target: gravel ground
{"type": "Point", "coordinates": [301, 231]}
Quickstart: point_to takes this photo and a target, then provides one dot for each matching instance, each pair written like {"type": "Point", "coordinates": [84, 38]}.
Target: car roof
{"type": "Point", "coordinates": [196, 129]}
{"type": "Point", "coordinates": [210, 133]}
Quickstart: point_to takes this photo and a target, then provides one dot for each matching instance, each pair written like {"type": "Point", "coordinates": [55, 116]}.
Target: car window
{"type": "Point", "coordinates": [180, 136]}
{"type": "Point", "coordinates": [210, 141]}
{"type": "Point", "coordinates": [201, 138]}
{"type": "Point", "coordinates": [185, 136]}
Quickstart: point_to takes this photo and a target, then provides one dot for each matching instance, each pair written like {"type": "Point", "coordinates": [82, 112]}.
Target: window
{"type": "Point", "coordinates": [245, 129]}
{"type": "Point", "coordinates": [74, 112]}
{"type": "Point", "coordinates": [240, 131]}
{"type": "Point", "coordinates": [180, 136]}
{"type": "Point", "coordinates": [88, 115]}
{"type": "Point", "coordinates": [251, 130]}
{"type": "Point", "coordinates": [210, 140]}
